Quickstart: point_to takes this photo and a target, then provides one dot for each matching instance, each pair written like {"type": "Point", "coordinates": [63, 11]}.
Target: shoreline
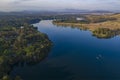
{"type": "Point", "coordinates": [91, 26]}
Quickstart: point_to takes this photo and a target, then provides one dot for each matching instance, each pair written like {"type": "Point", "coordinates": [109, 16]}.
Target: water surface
{"type": "Point", "coordinates": [76, 55]}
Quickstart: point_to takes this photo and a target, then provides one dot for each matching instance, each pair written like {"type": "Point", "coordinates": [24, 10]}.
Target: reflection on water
{"type": "Point", "coordinates": [76, 55]}
{"type": "Point", "coordinates": [106, 33]}
{"type": "Point", "coordinates": [102, 33]}
{"type": "Point", "coordinates": [9, 62]}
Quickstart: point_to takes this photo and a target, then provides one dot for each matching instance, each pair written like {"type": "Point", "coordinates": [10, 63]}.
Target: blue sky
{"type": "Point", "coordinates": [20, 5]}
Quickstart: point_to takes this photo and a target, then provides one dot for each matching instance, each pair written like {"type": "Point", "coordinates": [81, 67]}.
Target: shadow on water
{"type": "Point", "coordinates": [21, 47]}
{"type": "Point", "coordinates": [101, 33]}
{"type": "Point", "coordinates": [9, 62]}
{"type": "Point", "coordinates": [76, 55]}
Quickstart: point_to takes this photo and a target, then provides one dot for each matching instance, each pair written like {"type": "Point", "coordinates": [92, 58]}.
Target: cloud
{"type": "Point", "coordinates": [19, 5]}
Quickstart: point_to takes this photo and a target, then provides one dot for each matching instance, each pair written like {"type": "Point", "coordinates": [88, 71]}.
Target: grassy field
{"type": "Point", "coordinates": [102, 26]}
{"type": "Point", "coordinates": [110, 24]}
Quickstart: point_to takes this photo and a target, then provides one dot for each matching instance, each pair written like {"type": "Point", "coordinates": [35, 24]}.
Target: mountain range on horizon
{"type": "Point", "coordinates": [65, 11]}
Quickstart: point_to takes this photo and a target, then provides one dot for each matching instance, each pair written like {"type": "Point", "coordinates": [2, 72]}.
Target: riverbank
{"type": "Point", "coordinates": [21, 45]}
{"type": "Point", "coordinates": [102, 29]}
{"type": "Point", "coordinates": [93, 26]}
{"type": "Point", "coordinates": [98, 30]}
{"type": "Point", "coordinates": [111, 22]}
{"type": "Point", "coordinates": [75, 55]}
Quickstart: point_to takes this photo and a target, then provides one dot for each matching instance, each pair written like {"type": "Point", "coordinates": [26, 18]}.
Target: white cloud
{"type": "Point", "coordinates": [18, 5]}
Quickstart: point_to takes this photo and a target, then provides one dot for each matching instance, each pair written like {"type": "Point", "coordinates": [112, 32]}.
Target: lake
{"type": "Point", "coordinates": [75, 55]}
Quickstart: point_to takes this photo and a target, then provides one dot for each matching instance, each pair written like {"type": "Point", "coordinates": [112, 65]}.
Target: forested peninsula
{"type": "Point", "coordinates": [20, 43]}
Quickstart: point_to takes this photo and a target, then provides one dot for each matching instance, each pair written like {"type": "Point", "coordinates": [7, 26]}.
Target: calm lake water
{"type": "Point", "coordinates": [75, 55]}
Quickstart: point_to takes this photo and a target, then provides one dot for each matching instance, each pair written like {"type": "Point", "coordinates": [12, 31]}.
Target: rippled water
{"type": "Point", "coordinates": [76, 55]}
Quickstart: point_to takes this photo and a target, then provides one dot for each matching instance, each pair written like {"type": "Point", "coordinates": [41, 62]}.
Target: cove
{"type": "Point", "coordinates": [75, 55]}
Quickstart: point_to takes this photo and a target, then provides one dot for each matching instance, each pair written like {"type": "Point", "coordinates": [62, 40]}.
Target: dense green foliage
{"type": "Point", "coordinates": [24, 44]}
{"type": "Point", "coordinates": [16, 20]}
{"type": "Point", "coordinates": [99, 18]}
{"type": "Point", "coordinates": [86, 19]}
{"type": "Point", "coordinates": [20, 43]}
{"type": "Point", "coordinates": [105, 33]}
{"type": "Point", "coordinates": [70, 19]}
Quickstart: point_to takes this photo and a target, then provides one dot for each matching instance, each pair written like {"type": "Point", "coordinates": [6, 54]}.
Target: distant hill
{"type": "Point", "coordinates": [87, 11]}
{"type": "Point", "coordinates": [65, 11]}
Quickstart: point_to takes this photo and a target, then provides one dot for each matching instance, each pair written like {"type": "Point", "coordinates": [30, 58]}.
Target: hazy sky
{"type": "Point", "coordinates": [19, 5]}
